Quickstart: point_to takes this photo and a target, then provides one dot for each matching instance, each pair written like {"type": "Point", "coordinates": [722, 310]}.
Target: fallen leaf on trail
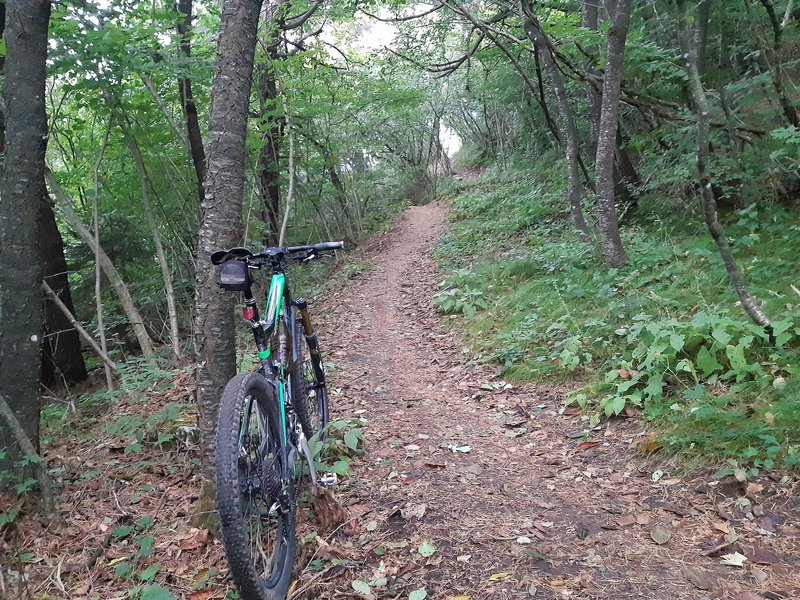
{"type": "Point", "coordinates": [498, 576]}
{"type": "Point", "coordinates": [626, 520]}
{"type": "Point", "coordinates": [587, 445]}
{"type": "Point", "coordinates": [759, 576]}
{"type": "Point", "coordinates": [462, 449]}
{"type": "Point", "coordinates": [698, 579]}
{"type": "Point", "coordinates": [464, 558]}
{"type": "Point", "coordinates": [419, 594]}
{"type": "Point", "coordinates": [426, 549]}
{"type": "Point", "coordinates": [329, 551]}
{"type": "Point", "coordinates": [723, 527]}
{"type": "Point", "coordinates": [740, 475]}
{"type": "Point", "coordinates": [643, 519]}
{"type": "Point", "coordinates": [558, 581]}
{"type": "Point", "coordinates": [660, 535]}
{"type": "Point", "coordinates": [572, 411]}
{"type": "Point", "coordinates": [649, 444]}
{"type": "Point", "coordinates": [201, 595]}
{"type": "Point", "coordinates": [733, 560]}
{"type": "Point", "coordinates": [362, 587]}
{"type": "Point", "coordinates": [761, 556]}
{"type": "Point", "coordinates": [413, 510]}
{"type": "Point", "coordinates": [754, 488]}
{"type": "Point", "coordinates": [524, 540]}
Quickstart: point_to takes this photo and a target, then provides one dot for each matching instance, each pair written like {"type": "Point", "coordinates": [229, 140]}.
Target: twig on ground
{"type": "Point", "coordinates": [98, 552]}
{"type": "Point", "coordinates": [39, 467]}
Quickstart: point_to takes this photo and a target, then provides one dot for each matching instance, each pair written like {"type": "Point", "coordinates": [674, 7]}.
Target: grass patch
{"type": "Point", "coordinates": [663, 334]}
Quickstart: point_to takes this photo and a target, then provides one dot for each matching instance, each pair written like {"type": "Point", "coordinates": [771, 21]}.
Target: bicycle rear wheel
{"type": "Point", "coordinates": [256, 510]}
{"type": "Point", "coordinates": [309, 394]}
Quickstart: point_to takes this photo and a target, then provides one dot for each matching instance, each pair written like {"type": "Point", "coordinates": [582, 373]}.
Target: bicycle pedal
{"type": "Point", "coordinates": [328, 480]}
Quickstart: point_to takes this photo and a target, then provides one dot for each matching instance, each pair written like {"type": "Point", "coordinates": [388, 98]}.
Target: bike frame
{"type": "Point", "coordinates": [279, 322]}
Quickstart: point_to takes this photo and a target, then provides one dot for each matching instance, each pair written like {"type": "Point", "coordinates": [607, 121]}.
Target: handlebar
{"type": "Point", "coordinates": [276, 253]}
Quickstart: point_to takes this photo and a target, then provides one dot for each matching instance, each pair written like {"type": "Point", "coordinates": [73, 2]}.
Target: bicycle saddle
{"type": "Point", "coordinates": [221, 256]}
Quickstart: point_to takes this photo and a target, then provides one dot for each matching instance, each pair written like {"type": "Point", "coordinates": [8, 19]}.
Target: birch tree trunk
{"type": "Point", "coordinates": [691, 45]}
{"type": "Point", "coordinates": [221, 222]}
{"type": "Point", "coordinates": [607, 137]}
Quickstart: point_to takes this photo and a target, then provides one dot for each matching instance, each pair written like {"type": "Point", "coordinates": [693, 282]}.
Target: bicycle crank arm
{"type": "Point", "coordinates": [309, 459]}
{"type": "Point", "coordinates": [326, 480]}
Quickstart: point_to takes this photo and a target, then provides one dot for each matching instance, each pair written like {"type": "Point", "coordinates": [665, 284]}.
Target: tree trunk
{"type": "Point", "coordinates": [187, 99]}
{"type": "Point", "coordinates": [690, 45]}
{"type": "Point", "coordinates": [21, 193]}
{"type": "Point", "coordinates": [776, 68]}
{"type": "Point", "coordinates": [62, 359]}
{"type": "Point", "coordinates": [607, 137]}
{"type": "Point", "coordinates": [268, 160]}
{"type": "Point", "coordinates": [589, 20]}
{"type": "Point", "coordinates": [542, 47]}
{"type": "Point", "coordinates": [221, 223]}
{"type": "Point", "coordinates": [113, 276]}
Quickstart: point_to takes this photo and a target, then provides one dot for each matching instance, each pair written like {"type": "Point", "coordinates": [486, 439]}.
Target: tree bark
{"type": "Point", "coordinates": [589, 20]}
{"type": "Point", "coordinates": [269, 157]}
{"type": "Point", "coordinates": [776, 68]}
{"type": "Point", "coordinates": [21, 193]}
{"type": "Point", "coordinates": [690, 45]}
{"type": "Point", "coordinates": [607, 137]}
{"type": "Point", "coordinates": [113, 276]}
{"type": "Point", "coordinates": [542, 47]}
{"type": "Point", "coordinates": [221, 222]}
{"type": "Point", "coordinates": [62, 357]}
{"type": "Point", "coordinates": [187, 98]}
{"type": "Point", "coordinates": [268, 160]}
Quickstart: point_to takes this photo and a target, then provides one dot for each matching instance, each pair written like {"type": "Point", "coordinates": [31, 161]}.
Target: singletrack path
{"type": "Point", "coordinates": [471, 487]}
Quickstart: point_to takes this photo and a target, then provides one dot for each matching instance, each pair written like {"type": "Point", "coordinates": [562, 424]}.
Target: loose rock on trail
{"type": "Point", "coordinates": [475, 487]}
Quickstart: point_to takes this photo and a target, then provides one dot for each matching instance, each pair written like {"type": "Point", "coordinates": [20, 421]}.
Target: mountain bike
{"type": "Point", "coordinates": [266, 419]}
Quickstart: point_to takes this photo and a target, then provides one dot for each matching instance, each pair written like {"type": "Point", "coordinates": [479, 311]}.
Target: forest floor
{"type": "Point", "coordinates": [469, 487]}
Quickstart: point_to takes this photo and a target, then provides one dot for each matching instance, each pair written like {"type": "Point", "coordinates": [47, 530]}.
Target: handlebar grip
{"type": "Point", "coordinates": [322, 247]}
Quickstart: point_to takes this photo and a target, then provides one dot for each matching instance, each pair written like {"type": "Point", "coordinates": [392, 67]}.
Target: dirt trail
{"type": "Point", "coordinates": [516, 503]}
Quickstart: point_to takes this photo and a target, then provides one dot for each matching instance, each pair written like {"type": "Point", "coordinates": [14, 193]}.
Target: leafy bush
{"type": "Point", "coordinates": [663, 334]}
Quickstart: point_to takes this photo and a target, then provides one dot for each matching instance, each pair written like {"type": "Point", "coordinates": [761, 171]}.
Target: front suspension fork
{"type": "Point", "coordinates": [311, 340]}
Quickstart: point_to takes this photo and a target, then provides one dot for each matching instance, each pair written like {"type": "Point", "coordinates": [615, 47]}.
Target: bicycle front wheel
{"type": "Point", "coordinates": [256, 506]}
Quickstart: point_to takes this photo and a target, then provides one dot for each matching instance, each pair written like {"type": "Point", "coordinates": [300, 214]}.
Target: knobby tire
{"type": "Point", "coordinates": [248, 455]}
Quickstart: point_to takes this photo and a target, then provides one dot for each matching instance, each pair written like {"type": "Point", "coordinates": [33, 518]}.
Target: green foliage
{"type": "Point", "coordinates": [663, 334]}
{"type": "Point", "coordinates": [343, 442]}
{"type": "Point", "coordinates": [157, 429]}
